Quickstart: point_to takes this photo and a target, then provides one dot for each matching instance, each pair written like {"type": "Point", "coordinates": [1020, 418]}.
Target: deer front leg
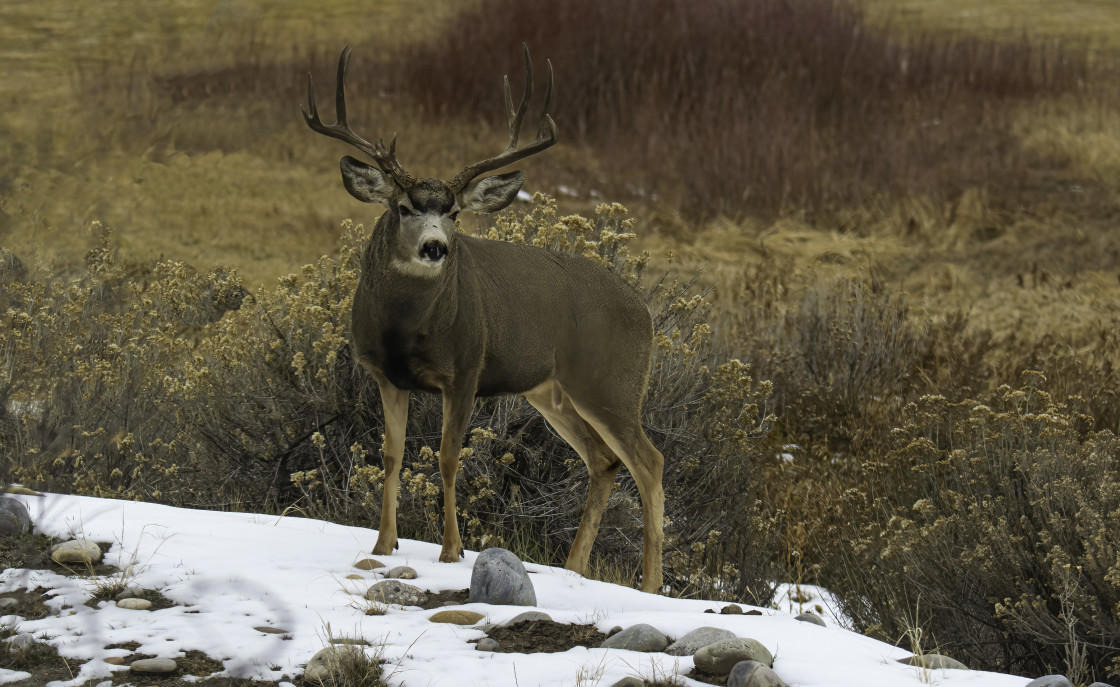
{"type": "Point", "coordinates": [456, 415]}
{"type": "Point", "coordinates": [394, 403]}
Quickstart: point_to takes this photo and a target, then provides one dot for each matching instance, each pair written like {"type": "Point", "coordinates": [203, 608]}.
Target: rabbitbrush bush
{"type": "Point", "coordinates": [175, 386]}
{"type": "Point", "coordinates": [992, 524]}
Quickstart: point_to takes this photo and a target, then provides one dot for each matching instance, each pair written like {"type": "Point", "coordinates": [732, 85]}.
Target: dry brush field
{"type": "Point", "coordinates": [883, 237]}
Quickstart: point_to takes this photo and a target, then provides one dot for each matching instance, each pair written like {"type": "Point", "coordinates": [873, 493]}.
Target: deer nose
{"type": "Point", "coordinates": [433, 250]}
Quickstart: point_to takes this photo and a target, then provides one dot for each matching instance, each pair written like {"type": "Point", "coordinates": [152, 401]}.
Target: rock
{"type": "Point", "coordinates": [153, 665]}
{"type": "Point", "coordinates": [456, 617]}
{"type": "Point", "coordinates": [135, 604]}
{"type": "Point", "coordinates": [349, 641]}
{"type": "Point", "coordinates": [401, 572]}
{"type": "Point", "coordinates": [698, 639]}
{"type": "Point", "coordinates": [395, 592]}
{"type": "Point", "coordinates": [270, 630]}
{"type": "Point", "coordinates": [21, 642]}
{"type": "Point", "coordinates": [810, 618]}
{"type": "Point", "coordinates": [113, 660]}
{"type": "Point", "coordinates": [1050, 681]}
{"type": "Point", "coordinates": [753, 674]}
{"type": "Point", "coordinates": [369, 564]}
{"type": "Point", "coordinates": [488, 644]}
{"type": "Point", "coordinates": [76, 551]}
{"type": "Point", "coordinates": [354, 576]}
{"type": "Point", "coordinates": [320, 669]}
{"type": "Point", "coordinates": [614, 630]}
{"type": "Point", "coordinates": [721, 657]}
{"type": "Point", "coordinates": [731, 609]}
{"type": "Point", "coordinates": [528, 616]}
{"type": "Point", "coordinates": [640, 637]}
{"type": "Point", "coordinates": [499, 578]}
{"type": "Point", "coordinates": [1100, 684]}
{"type": "Point", "coordinates": [939, 662]}
{"type": "Point", "coordinates": [630, 681]}
{"type": "Point", "coordinates": [14, 518]}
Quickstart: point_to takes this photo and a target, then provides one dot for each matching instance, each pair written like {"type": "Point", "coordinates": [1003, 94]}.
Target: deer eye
{"type": "Point", "coordinates": [405, 212]}
{"type": "Point", "coordinates": [454, 215]}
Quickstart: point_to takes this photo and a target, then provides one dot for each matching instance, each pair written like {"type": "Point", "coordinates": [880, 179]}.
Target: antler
{"type": "Point", "coordinates": [386, 159]}
{"type": "Point", "coordinates": [547, 133]}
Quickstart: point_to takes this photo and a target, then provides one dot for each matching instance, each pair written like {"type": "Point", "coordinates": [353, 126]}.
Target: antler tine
{"type": "Point", "coordinates": [385, 159]}
{"type": "Point", "coordinates": [547, 133]}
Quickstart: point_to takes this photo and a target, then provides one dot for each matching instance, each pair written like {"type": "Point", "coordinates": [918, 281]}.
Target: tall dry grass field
{"type": "Point", "coordinates": [884, 263]}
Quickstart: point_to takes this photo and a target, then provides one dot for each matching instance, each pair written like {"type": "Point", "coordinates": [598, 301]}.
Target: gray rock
{"type": "Point", "coordinates": [721, 657]}
{"type": "Point", "coordinates": [753, 674]}
{"type": "Point", "coordinates": [1050, 681]}
{"type": "Point", "coordinates": [698, 639]}
{"type": "Point", "coordinates": [269, 630]}
{"type": "Point", "coordinates": [527, 616]}
{"type": "Point", "coordinates": [320, 669]}
{"type": "Point", "coordinates": [939, 662]}
{"type": "Point", "coordinates": [22, 642]}
{"type": "Point", "coordinates": [499, 578]}
{"type": "Point", "coordinates": [134, 604]}
{"type": "Point", "coordinates": [731, 609]}
{"type": "Point", "coordinates": [488, 644]}
{"type": "Point", "coordinates": [395, 592]}
{"type": "Point", "coordinates": [1100, 684]}
{"type": "Point", "coordinates": [630, 681]}
{"type": "Point", "coordinates": [401, 572]}
{"type": "Point", "coordinates": [640, 637]}
{"type": "Point", "coordinates": [14, 518]}
{"type": "Point", "coordinates": [76, 551]}
{"type": "Point", "coordinates": [810, 618]}
{"type": "Point", "coordinates": [153, 665]}
{"type": "Point", "coordinates": [614, 630]}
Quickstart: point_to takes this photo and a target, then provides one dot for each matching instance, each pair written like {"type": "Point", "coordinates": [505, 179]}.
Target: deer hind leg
{"type": "Point", "coordinates": [602, 465]}
{"type": "Point", "coordinates": [623, 433]}
{"type": "Point", "coordinates": [394, 403]}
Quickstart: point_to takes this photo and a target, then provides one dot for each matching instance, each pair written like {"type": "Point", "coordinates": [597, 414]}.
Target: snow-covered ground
{"type": "Point", "coordinates": [229, 573]}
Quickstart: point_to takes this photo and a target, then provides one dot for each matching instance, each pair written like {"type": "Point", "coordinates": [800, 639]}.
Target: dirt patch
{"type": "Point", "coordinates": [31, 551]}
{"type": "Point", "coordinates": [30, 605]}
{"type": "Point", "coordinates": [83, 569]}
{"type": "Point", "coordinates": [39, 659]}
{"type": "Point", "coordinates": [448, 597]}
{"type": "Point", "coordinates": [544, 637]}
{"type": "Point", "coordinates": [159, 601]}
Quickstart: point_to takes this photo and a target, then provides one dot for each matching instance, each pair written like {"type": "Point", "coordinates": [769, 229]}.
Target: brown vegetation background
{"type": "Point", "coordinates": [884, 258]}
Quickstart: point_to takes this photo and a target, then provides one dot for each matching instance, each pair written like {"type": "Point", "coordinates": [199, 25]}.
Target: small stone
{"type": "Point", "coordinates": [14, 518]}
{"type": "Point", "coordinates": [630, 681]}
{"type": "Point", "coordinates": [753, 611]}
{"type": "Point", "coordinates": [457, 617]}
{"type": "Point", "coordinates": [721, 657]}
{"type": "Point", "coordinates": [1100, 684]}
{"type": "Point", "coordinates": [354, 576]}
{"type": "Point", "coordinates": [498, 577]}
{"type": "Point", "coordinates": [529, 616]}
{"type": "Point", "coordinates": [396, 592]}
{"type": "Point", "coordinates": [401, 572]}
{"type": "Point", "coordinates": [939, 662]}
{"type": "Point", "coordinates": [753, 674]}
{"type": "Point", "coordinates": [614, 630]}
{"type": "Point", "coordinates": [113, 660]}
{"type": "Point", "coordinates": [21, 642]}
{"type": "Point", "coordinates": [1049, 681]}
{"type": "Point", "coordinates": [698, 639]}
{"type": "Point", "coordinates": [153, 665]}
{"type": "Point", "coordinates": [350, 641]}
{"type": "Point", "coordinates": [369, 564]}
{"type": "Point", "coordinates": [731, 609]}
{"type": "Point", "coordinates": [640, 637]}
{"type": "Point", "coordinates": [811, 618]}
{"type": "Point", "coordinates": [270, 630]}
{"type": "Point", "coordinates": [134, 604]}
{"type": "Point", "coordinates": [488, 644]}
{"type": "Point", "coordinates": [76, 551]}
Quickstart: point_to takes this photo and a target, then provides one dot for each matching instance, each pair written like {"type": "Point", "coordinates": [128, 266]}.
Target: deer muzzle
{"type": "Point", "coordinates": [433, 250]}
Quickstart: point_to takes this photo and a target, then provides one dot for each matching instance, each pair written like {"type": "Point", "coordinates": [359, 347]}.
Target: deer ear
{"type": "Point", "coordinates": [367, 184]}
{"type": "Point", "coordinates": [490, 194]}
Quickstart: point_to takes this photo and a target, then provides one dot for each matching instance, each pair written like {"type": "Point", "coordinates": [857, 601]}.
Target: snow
{"type": "Point", "coordinates": [231, 572]}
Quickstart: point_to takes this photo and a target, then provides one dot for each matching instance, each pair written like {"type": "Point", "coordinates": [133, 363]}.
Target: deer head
{"type": "Point", "coordinates": [425, 209]}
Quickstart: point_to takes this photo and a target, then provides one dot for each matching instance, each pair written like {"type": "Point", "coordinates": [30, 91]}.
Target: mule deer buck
{"type": "Point", "coordinates": [447, 313]}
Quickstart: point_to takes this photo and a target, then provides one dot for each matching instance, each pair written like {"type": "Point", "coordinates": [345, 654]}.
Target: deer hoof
{"type": "Point", "coordinates": [385, 548]}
